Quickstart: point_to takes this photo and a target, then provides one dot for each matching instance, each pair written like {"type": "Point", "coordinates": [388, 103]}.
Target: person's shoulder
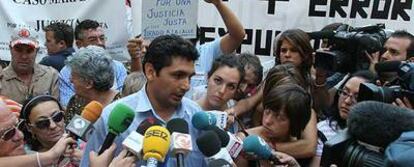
{"type": "Point", "coordinates": [47, 69]}
{"type": "Point", "coordinates": [190, 105]}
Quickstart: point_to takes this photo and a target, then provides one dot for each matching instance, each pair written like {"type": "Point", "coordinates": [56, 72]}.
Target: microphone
{"type": "Point", "coordinates": [181, 140]}
{"type": "Point", "coordinates": [156, 144]}
{"type": "Point", "coordinates": [210, 145]}
{"type": "Point", "coordinates": [119, 120]}
{"type": "Point", "coordinates": [232, 143]}
{"type": "Point", "coordinates": [204, 120]}
{"type": "Point", "coordinates": [388, 66]}
{"type": "Point", "coordinates": [255, 145]}
{"type": "Point", "coordinates": [133, 142]}
{"type": "Point", "coordinates": [80, 127]}
{"type": "Point", "coordinates": [377, 123]}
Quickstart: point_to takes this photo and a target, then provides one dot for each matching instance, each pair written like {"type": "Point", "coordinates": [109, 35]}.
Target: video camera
{"type": "Point", "coordinates": [348, 47]}
{"type": "Point", "coordinates": [343, 150]}
{"type": "Point", "coordinates": [403, 86]}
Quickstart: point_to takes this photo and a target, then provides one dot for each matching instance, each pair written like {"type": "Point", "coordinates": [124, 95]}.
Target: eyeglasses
{"type": "Point", "coordinates": [9, 133]}
{"type": "Point", "coordinates": [344, 93]}
{"type": "Point", "coordinates": [45, 123]}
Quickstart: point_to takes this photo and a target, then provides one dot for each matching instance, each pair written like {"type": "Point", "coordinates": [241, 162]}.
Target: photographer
{"type": "Point", "coordinates": [344, 99]}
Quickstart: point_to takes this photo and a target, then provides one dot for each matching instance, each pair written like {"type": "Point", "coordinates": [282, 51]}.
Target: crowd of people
{"type": "Point", "coordinates": [295, 108]}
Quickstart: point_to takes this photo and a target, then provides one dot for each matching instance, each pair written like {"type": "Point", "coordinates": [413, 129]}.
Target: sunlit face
{"type": "Point", "coordinates": [348, 96]}
{"type": "Point", "coordinates": [396, 49]}
{"type": "Point", "coordinates": [289, 54]}
{"type": "Point", "coordinates": [43, 112]}
{"type": "Point", "coordinates": [276, 125]}
{"type": "Point", "coordinates": [92, 37]}
{"type": "Point", "coordinates": [15, 145]}
{"type": "Point", "coordinates": [172, 82]}
{"type": "Point", "coordinates": [23, 57]}
{"type": "Point", "coordinates": [51, 44]}
{"type": "Point", "coordinates": [222, 86]}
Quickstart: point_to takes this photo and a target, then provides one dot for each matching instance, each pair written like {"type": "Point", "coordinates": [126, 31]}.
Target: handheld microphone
{"type": "Point", "coordinates": [232, 143]}
{"type": "Point", "coordinates": [133, 142]}
{"type": "Point", "coordinates": [204, 120]}
{"type": "Point", "coordinates": [82, 126]}
{"type": "Point", "coordinates": [257, 146]}
{"type": "Point", "coordinates": [210, 145]}
{"type": "Point", "coordinates": [156, 144]}
{"type": "Point", "coordinates": [180, 138]}
{"type": "Point", "coordinates": [119, 120]}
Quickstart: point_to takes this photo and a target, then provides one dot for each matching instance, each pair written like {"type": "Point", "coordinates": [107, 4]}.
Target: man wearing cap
{"type": "Point", "coordinates": [24, 78]}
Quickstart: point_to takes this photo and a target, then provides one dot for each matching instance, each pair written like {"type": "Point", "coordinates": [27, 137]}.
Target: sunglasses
{"type": "Point", "coordinates": [9, 133]}
{"type": "Point", "coordinates": [45, 123]}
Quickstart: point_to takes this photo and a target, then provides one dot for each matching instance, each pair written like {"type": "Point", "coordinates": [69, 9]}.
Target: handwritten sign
{"type": "Point", "coordinates": [162, 17]}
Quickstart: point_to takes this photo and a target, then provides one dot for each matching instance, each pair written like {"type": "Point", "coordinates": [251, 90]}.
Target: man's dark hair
{"type": "Point", "coordinates": [252, 61]}
{"type": "Point", "coordinates": [379, 123]}
{"type": "Point", "coordinates": [163, 48]}
{"type": "Point", "coordinates": [227, 61]}
{"type": "Point", "coordinates": [406, 35]}
{"type": "Point", "coordinates": [61, 32]}
{"type": "Point", "coordinates": [85, 25]}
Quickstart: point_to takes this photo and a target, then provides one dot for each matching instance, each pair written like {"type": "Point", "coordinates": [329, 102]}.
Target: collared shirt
{"type": "Point", "coordinates": [44, 81]}
{"type": "Point", "coordinates": [142, 107]}
{"type": "Point", "coordinates": [67, 89]}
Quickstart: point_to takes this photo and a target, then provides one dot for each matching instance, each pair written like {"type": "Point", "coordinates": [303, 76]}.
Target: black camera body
{"type": "Point", "coordinates": [348, 47]}
{"type": "Point", "coordinates": [343, 150]}
{"type": "Point", "coordinates": [403, 87]}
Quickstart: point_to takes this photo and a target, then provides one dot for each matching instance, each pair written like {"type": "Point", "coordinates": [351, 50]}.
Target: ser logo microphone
{"type": "Point", "coordinates": [157, 133]}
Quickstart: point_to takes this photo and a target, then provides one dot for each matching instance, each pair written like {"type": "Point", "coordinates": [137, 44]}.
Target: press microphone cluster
{"type": "Point", "coordinates": [232, 143]}
{"type": "Point", "coordinates": [210, 144]}
{"type": "Point", "coordinates": [255, 145]}
{"type": "Point", "coordinates": [156, 145]}
{"type": "Point", "coordinates": [81, 126]}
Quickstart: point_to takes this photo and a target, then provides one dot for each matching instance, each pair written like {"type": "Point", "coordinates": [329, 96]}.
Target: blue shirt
{"type": "Point", "coordinates": [57, 60]}
{"type": "Point", "coordinates": [67, 90]}
{"type": "Point", "coordinates": [140, 103]}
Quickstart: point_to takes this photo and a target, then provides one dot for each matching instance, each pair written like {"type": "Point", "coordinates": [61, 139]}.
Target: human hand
{"type": "Point", "coordinates": [137, 47]}
{"type": "Point", "coordinates": [404, 103]}
{"type": "Point", "coordinates": [285, 159]}
{"type": "Point", "coordinates": [123, 160]}
{"type": "Point", "coordinates": [373, 58]}
{"type": "Point", "coordinates": [61, 147]}
{"type": "Point", "coordinates": [231, 116]}
{"type": "Point", "coordinates": [104, 159]}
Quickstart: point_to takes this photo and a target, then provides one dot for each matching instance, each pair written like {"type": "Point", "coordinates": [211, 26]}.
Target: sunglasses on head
{"type": "Point", "coordinates": [9, 133]}
{"type": "Point", "coordinates": [45, 123]}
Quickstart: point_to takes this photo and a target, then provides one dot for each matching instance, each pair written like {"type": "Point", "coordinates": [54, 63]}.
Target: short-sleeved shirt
{"type": "Point", "coordinates": [142, 107]}
{"type": "Point", "coordinates": [67, 89]}
{"type": "Point", "coordinates": [44, 81]}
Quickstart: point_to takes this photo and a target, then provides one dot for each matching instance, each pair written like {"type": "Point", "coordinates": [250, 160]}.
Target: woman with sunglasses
{"type": "Point", "coordinates": [344, 99]}
{"type": "Point", "coordinates": [44, 125]}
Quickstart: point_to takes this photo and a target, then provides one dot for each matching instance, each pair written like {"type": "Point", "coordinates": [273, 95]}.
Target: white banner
{"type": "Point", "coordinates": [264, 19]}
{"type": "Point", "coordinates": [161, 17]}
{"type": "Point", "coordinates": [40, 13]}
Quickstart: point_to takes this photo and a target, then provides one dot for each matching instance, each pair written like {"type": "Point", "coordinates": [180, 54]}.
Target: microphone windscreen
{"type": "Point", "coordinates": [223, 136]}
{"type": "Point", "coordinates": [388, 66]}
{"type": "Point", "coordinates": [120, 118]}
{"type": "Point", "coordinates": [256, 145]}
{"type": "Point", "coordinates": [202, 120]}
{"type": "Point", "coordinates": [156, 143]}
{"type": "Point", "coordinates": [208, 143]}
{"type": "Point", "coordinates": [177, 125]}
{"type": "Point", "coordinates": [147, 123]}
{"type": "Point", "coordinates": [92, 111]}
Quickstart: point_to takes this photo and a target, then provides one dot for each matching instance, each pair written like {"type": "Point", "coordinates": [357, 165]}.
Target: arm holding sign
{"type": "Point", "coordinates": [235, 36]}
